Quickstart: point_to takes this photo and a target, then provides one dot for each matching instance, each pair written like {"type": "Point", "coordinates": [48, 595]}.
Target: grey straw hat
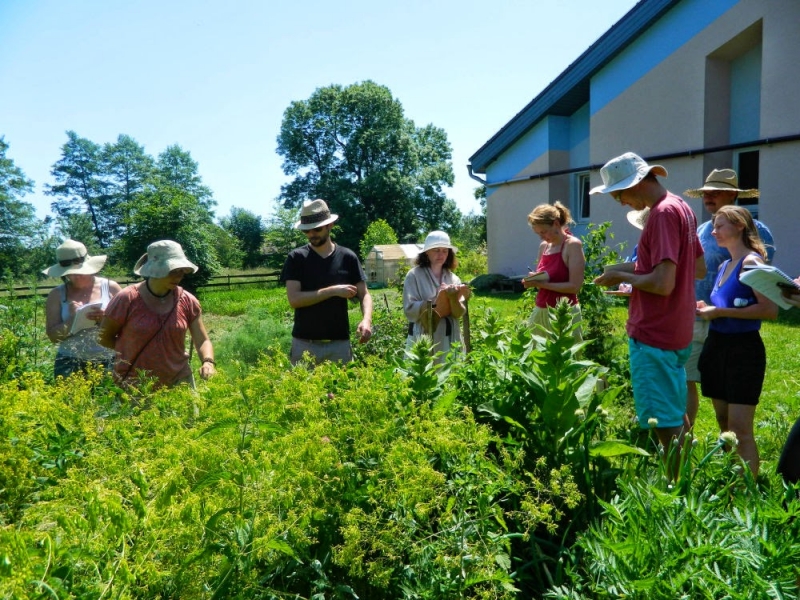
{"type": "Point", "coordinates": [74, 259]}
{"type": "Point", "coordinates": [161, 258]}
{"type": "Point", "coordinates": [313, 214]}
{"type": "Point", "coordinates": [722, 180]}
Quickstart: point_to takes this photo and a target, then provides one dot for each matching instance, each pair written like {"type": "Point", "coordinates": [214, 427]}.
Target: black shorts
{"type": "Point", "coordinates": [732, 367]}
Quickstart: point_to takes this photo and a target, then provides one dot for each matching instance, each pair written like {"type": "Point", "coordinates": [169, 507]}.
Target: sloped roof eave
{"type": "Point", "coordinates": [570, 90]}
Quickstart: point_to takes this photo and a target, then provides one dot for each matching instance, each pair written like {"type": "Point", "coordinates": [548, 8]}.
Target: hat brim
{"type": "Point", "coordinates": [635, 218]}
{"type": "Point", "coordinates": [90, 266]}
{"type": "Point", "coordinates": [144, 268]}
{"type": "Point", "coordinates": [630, 181]}
{"type": "Point", "coordinates": [434, 246]}
{"type": "Point", "coordinates": [698, 192]}
{"type": "Point", "coordinates": [309, 226]}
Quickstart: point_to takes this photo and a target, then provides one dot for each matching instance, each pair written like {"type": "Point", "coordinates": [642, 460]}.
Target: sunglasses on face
{"type": "Point", "coordinates": [72, 261]}
{"type": "Point", "coordinates": [315, 230]}
{"type": "Point", "coordinates": [617, 196]}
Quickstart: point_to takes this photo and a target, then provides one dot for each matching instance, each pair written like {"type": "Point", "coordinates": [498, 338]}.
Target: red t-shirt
{"type": "Point", "coordinates": [165, 355]}
{"type": "Point", "coordinates": [670, 233]}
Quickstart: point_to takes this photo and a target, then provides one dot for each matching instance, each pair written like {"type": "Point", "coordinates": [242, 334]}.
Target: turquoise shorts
{"type": "Point", "coordinates": [659, 383]}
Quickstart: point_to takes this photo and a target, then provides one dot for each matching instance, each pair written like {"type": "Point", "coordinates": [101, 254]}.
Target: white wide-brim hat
{"type": "Point", "coordinates": [638, 218]}
{"type": "Point", "coordinates": [313, 214]}
{"type": "Point", "coordinates": [161, 258]}
{"type": "Point", "coordinates": [438, 239]}
{"type": "Point", "coordinates": [722, 180]}
{"type": "Point", "coordinates": [74, 259]}
{"type": "Point", "coordinates": [625, 171]}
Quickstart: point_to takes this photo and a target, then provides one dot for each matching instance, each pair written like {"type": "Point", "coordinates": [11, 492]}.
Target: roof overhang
{"type": "Point", "coordinates": [570, 90]}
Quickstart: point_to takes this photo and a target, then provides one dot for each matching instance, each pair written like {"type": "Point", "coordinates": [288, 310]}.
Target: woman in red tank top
{"type": "Point", "coordinates": [561, 258]}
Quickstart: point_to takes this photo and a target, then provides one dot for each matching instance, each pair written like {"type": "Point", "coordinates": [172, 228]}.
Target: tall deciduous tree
{"type": "Point", "coordinates": [378, 233]}
{"type": "Point", "coordinates": [80, 186]}
{"type": "Point", "coordinates": [353, 147]}
{"type": "Point", "coordinates": [280, 236]}
{"type": "Point", "coordinates": [177, 169]}
{"type": "Point", "coordinates": [169, 213]}
{"type": "Point", "coordinates": [20, 229]}
{"type": "Point", "coordinates": [249, 229]}
{"type": "Point", "coordinates": [127, 171]}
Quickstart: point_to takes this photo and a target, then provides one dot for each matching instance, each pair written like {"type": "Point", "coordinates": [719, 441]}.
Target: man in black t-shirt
{"type": "Point", "coordinates": [320, 278]}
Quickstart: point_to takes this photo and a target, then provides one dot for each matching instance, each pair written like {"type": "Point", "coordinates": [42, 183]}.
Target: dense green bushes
{"type": "Point", "coordinates": [513, 474]}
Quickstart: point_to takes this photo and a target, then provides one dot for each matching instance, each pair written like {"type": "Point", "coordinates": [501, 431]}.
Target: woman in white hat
{"type": "Point", "coordinates": [147, 322]}
{"type": "Point", "coordinates": [75, 307]}
{"type": "Point", "coordinates": [434, 299]}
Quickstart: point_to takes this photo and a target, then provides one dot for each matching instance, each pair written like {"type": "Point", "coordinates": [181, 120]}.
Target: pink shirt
{"type": "Point", "coordinates": [666, 322]}
{"type": "Point", "coordinates": [164, 356]}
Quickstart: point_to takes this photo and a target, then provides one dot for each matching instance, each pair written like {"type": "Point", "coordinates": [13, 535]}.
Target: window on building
{"type": "Point", "coordinates": [747, 168]}
{"type": "Point", "coordinates": [581, 204]}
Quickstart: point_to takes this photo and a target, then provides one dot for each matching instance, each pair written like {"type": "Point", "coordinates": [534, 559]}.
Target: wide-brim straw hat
{"type": "Point", "coordinates": [638, 218]}
{"type": "Point", "coordinates": [438, 239]}
{"type": "Point", "coordinates": [313, 214]}
{"type": "Point", "coordinates": [74, 259]}
{"type": "Point", "coordinates": [624, 172]}
{"type": "Point", "coordinates": [722, 180]}
{"type": "Point", "coordinates": [161, 258]}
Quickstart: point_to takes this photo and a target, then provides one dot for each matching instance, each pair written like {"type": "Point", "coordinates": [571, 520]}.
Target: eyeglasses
{"type": "Point", "coordinates": [72, 261]}
{"type": "Point", "coordinates": [315, 230]}
{"type": "Point", "coordinates": [617, 196]}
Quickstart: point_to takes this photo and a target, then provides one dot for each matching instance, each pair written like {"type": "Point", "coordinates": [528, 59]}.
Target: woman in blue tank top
{"type": "Point", "coordinates": [733, 360]}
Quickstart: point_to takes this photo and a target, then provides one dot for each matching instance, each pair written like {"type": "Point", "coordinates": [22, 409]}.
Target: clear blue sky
{"type": "Point", "coordinates": [215, 76]}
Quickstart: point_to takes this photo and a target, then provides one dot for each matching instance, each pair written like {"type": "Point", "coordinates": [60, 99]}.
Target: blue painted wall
{"type": "Point", "coordinates": [668, 34]}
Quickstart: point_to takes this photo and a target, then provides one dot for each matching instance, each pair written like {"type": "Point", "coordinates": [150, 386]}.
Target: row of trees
{"type": "Point", "coordinates": [351, 145]}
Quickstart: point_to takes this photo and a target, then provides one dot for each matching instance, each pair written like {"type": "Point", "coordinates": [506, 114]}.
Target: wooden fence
{"type": "Point", "coordinates": [217, 281]}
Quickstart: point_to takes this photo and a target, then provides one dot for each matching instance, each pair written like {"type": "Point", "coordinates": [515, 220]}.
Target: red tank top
{"type": "Point", "coordinates": [559, 272]}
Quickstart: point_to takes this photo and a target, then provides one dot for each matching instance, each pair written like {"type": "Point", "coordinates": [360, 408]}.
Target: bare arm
{"type": "Point", "coordinates": [205, 350]}
{"type": "Point", "coordinates": [660, 281]}
{"type": "Point", "coordinates": [700, 267]}
{"type": "Point", "coordinates": [300, 299]}
{"type": "Point", "coordinates": [763, 310]}
{"type": "Point", "coordinates": [364, 328]}
{"type": "Point", "coordinates": [56, 329]}
{"type": "Point", "coordinates": [576, 263]}
{"type": "Point", "coordinates": [108, 332]}
{"type": "Point", "coordinates": [542, 248]}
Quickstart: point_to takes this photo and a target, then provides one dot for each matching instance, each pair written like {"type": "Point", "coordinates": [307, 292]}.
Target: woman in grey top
{"type": "Point", "coordinates": [434, 299]}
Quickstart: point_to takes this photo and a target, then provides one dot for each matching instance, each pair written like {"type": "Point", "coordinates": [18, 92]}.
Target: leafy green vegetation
{"type": "Point", "coordinates": [512, 474]}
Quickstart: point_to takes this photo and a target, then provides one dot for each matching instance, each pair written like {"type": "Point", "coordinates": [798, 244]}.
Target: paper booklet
{"type": "Point", "coordinates": [81, 321]}
{"type": "Point", "coordinates": [769, 281]}
{"type": "Point", "coordinates": [538, 276]}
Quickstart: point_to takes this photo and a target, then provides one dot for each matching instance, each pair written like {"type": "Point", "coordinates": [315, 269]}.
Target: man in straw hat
{"type": "Point", "coordinates": [720, 189]}
{"type": "Point", "coordinates": [320, 278]}
{"type": "Point", "coordinates": [662, 305]}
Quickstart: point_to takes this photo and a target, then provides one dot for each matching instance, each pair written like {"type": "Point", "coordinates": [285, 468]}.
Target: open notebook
{"type": "Point", "coordinates": [82, 321]}
{"type": "Point", "coordinates": [769, 281]}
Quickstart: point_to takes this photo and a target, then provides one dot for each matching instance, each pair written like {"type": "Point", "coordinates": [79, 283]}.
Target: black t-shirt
{"type": "Point", "coordinates": [325, 320]}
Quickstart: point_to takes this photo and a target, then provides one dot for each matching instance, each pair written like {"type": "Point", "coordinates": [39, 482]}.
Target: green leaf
{"type": "Point", "coordinates": [611, 448]}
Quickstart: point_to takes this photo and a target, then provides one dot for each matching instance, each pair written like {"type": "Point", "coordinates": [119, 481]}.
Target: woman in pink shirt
{"type": "Point", "coordinates": [146, 323]}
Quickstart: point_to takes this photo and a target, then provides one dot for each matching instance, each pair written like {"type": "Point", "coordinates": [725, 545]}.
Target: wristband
{"type": "Point", "coordinates": [209, 360]}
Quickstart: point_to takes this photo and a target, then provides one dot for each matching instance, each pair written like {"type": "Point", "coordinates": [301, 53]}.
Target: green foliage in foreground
{"type": "Point", "coordinates": [334, 483]}
{"type": "Point", "coordinates": [511, 474]}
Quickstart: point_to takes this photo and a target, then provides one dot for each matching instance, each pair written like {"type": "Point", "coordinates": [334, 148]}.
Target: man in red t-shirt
{"type": "Point", "coordinates": [662, 304]}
